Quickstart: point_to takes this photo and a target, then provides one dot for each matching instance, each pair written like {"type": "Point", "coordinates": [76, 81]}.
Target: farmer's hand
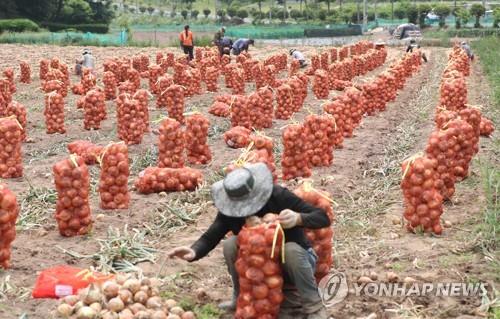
{"type": "Point", "coordinates": [185, 253]}
{"type": "Point", "coordinates": [289, 219]}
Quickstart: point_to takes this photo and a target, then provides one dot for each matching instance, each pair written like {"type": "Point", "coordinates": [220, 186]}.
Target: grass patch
{"type": "Point", "coordinates": [487, 49]}
{"type": "Point", "coordinates": [144, 160]}
{"type": "Point", "coordinates": [35, 207]}
{"type": "Point", "coordinates": [120, 251]}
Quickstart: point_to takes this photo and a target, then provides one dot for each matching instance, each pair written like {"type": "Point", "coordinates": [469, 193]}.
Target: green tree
{"type": "Point", "coordinates": [496, 17]}
{"type": "Point", "coordinates": [194, 14]}
{"type": "Point", "coordinates": [142, 9]}
{"type": "Point", "coordinates": [76, 11]}
{"type": "Point", "coordinates": [206, 13]}
{"type": "Point", "coordinates": [36, 10]}
{"type": "Point", "coordinates": [221, 14]}
{"type": "Point", "coordinates": [423, 11]}
{"type": "Point", "coordinates": [8, 9]}
{"type": "Point", "coordinates": [184, 14]}
{"type": "Point", "coordinates": [101, 11]}
{"type": "Point", "coordinates": [151, 10]}
{"type": "Point", "coordinates": [259, 3]}
{"type": "Point", "coordinates": [400, 12]}
{"type": "Point", "coordinates": [242, 13]}
{"type": "Point", "coordinates": [231, 11]}
{"type": "Point", "coordinates": [477, 10]}
{"type": "Point", "coordinates": [442, 11]}
{"type": "Point", "coordinates": [295, 14]}
{"type": "Point", "coordinates": [412, 14]}
{"type": "Point", "coordinates": [462, 16]}
{"type": "Point", "coordinates": [322, 13]}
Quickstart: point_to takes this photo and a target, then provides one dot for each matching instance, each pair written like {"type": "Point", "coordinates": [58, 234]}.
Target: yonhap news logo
{"type": "Point", "coordinates": [334, 288]}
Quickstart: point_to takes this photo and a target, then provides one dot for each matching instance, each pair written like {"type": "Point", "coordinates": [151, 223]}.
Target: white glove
{"type": "Point", "coordinates": [289, 219]}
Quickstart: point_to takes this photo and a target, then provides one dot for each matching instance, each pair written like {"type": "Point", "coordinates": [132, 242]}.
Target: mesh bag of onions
{"type": "Point", "coordinates": [158, 179]}
{"type": "Point", "coordinates": [9, 210]}
{"type": "Point", "coordinates": [240, 111]}
{"type": "Point", "coordinates": [321, 239]}
{"type": "Point", "coordinates": [220, 109]}
{"type": "Point", "coordinates": [11, 161]}
{"type": "Point", "coordinates": [164, 83]}
{"type": "Point", "coordinates": [198, 151]}
{"type": "Point", "coordinates": [130, 117]}
{"type": "Point", "coordinates": [85, 149]}
{"type": "Point", "coordinates": [284, 102]}
{"type": "Point", "coordinates": [19, 111]}
{"type": "Point", "coordinates": [122, 297]}
{"type": "Point", "coordinates": [171, 144]}
{"type": "Point", "coordinates": [423, 202]}
{"type": "Point", "coordinates": [110, 83]}
{"type": "Point", "coordinates": [9, 75]}
{"type": "Point", "coordinates": [94, 109]}
{"type": "Point", "coordinates": [113, 188]}
{"type": "Point", "coordinates": [175, 102]}
{"type": "Point", "coordinates": [260, 242]}
{"type": "Point", "coordinates": [320, 134]}
{"type": "Point", "coordinates": [237, 137]}
{"type": "Point", "coordinates": [25, 76]}
{"type": "Point", "coordinates": [320, 84]}
{"type": "Point", "coordinates": [294, 161]}
{"type": "Point", "coordinates": [486, 126]}
{"type": "Point", "coordinates": [71, 177]}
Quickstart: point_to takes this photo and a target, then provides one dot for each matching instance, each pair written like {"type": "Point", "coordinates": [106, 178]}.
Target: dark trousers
{"type": "Point", "coordinates": [189, 51]}
{"type": "Point", "coordinates": [300, 287]}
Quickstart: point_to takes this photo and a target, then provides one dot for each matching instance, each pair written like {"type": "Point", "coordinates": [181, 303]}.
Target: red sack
{"type": "Point", "coordinates": [61, 281]}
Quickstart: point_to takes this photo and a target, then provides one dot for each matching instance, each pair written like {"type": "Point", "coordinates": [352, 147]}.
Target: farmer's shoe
{"type": "Point", "coordinates": [229, 305]}
{"type": "Point", "coordinates": [320, 314]}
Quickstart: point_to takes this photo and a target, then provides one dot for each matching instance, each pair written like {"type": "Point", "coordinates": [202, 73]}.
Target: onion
{"type": "Point", "coordinates": [116, 304]}
{"type": "Point", "coordinates": [170, 303]}
{"type": "Point", "coordinates": [188, 315]}
{"type": "Point", "coordinates": [133, 285]}
{"type": "Point", "coordinates": [125, 295]}
{"type": "Point", "coordinates": [159, 315]}
{"type": "Point", "coordinates": [92, 295]}
{"type": "Point", "coordinates": [110, 289]}
{"type": "Point", "coordinates": [126, 314]}
{"type": "Point", "coordinates": [142, 315]}
{"type": "Point", "coordinates": [71, 300]}
{"type": "Point", "coordinates": [106, 314]}
{"type": "Point", "coordinates": [141, 297]}
{"type": "Point", "coordinates": [177, 310]}
{"type": "Point", "coordinates": [154, 303]}
{"type": "Point", "coordinates": [135, 308]}
{"type": "Point", "coordinates": [172, 316]}
{"type": "Point", "coordinates": [64, 310]}
{"type": "Point", "coordinates": [96, 306]}
{"type": "Point", "coordinates": [86, 313]}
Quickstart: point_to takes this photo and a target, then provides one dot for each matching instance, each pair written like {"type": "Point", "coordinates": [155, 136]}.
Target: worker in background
{"type": "Point", "coordinates": [225, 46]}
{"type": "Point", "coordinates": [297, 55]}
{"type": "Point", "coordinates": [187, 42]}
{"type": "Point", "coordinates": [468, 50]}
{"type": "Point", "coordinates": [87, 61]}
{"type": "Point", "coordinates": [242, 45]}
{"type": "Point", "coordinates": [414, 45]}
{"type": "Point", "coordinates": [249, 192]}
{"type": "Point", "coordinates": [218, 36]}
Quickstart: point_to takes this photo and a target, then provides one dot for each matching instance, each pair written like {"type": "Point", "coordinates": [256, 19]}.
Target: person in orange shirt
{"type": "Point", "coordinates": [187, 41]}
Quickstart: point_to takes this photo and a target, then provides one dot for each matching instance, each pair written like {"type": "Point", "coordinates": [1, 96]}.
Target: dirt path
{"type": "Point", "coordinates": [364, 182]}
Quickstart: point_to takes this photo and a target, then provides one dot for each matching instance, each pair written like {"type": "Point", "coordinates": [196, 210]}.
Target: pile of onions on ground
{"type": "Point", "coordinates": [130, 118]}
{"type": "Point", "coordinates": [258, 267]}
{"type": "Point", "coordinates": [198, 151]}
{"type": "Point", "coordinates": [110, 84]}
{"type": "Point", "coordinates": [19, 111]}
{"type": "Point", "coordinates": [320, 136]}
{"type": "Point", "coordinates": [54, 113]}
{"type": "Point", "coordinates": [113, 188]}
{"type": "Point", "coordinates": [171, 144]}
{"type": "Point", "coordinates": [71, 177]}
{"type": "Point", "coordinates": [321, 239]}
{"type": "Point", "coordinates": [9, 210]}
{"type": "Point", "coordinates": [123, 297]}
{"type": "Point", "coordinates": [294, 161]}
{"type": "Point", "coordinates": [94, 109]}
{"type": "Point", "coordinates": [165, 179]}
{"type": "Point", "coordinates": [175, 102]}
{"type": "Point", "coordinates": [237, 137]}
{"type": "Point", "coordinates": [25, 76]}
{"type": "Point", "coordinates": [85, 149]}
{"type": "Point", "coordinates": [423, 202]}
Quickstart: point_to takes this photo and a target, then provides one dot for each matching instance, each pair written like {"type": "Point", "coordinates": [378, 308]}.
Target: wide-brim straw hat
{"type": "Point", "coordinates": [244, 191]}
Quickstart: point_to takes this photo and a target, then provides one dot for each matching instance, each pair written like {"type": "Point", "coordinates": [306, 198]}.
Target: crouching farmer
{"type": "Point", "coordinates": [247, 192]}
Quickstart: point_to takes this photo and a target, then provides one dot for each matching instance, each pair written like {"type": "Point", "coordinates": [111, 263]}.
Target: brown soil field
{"type": "Point", "coordinates": [364, 182]}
